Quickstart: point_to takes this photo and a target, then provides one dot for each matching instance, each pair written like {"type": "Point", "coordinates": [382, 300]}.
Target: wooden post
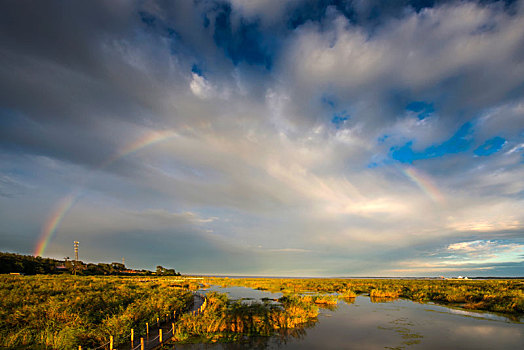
{"type": "Point", "coordinates": [147, 328]}
{"type": "Point", "coordinates": [110, 342]}
{"type": "Point", "coordinates": [174, 314]}
{"type": "Point", "coordinates": [173, 328]}
{"type": "Point", "coordinates": [160, 334]}
{"type": "Point", "coordinates": [132, 335]}
{"type": "Point", "coordinates": [158, 322]}
{"type": "Point", "coordinates": [141, 343]}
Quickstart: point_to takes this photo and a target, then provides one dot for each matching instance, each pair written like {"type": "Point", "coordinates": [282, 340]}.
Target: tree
{"type": "Point", "coordinates": [162, 271]}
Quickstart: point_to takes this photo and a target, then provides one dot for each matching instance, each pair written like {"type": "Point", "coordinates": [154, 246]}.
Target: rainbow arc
{"type": "Point", "coordinates": [66, 203]}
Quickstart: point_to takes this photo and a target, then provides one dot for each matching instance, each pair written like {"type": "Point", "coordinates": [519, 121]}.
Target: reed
{"type": "Point", "coordinates": [63, 312]}
{"type": "Point", "coordinates": [227, 320]}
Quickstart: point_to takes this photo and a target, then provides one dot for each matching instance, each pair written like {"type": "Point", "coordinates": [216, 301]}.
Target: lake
{"type": "Point", "coordinates": [362, 323]}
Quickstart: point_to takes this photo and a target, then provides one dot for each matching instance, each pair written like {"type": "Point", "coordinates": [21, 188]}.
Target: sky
{"type": "Point", "coordinates": [261, 137]}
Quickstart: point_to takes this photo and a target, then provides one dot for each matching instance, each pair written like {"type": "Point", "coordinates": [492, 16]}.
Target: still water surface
{"type": "Point", "coordinates": [400, 324]}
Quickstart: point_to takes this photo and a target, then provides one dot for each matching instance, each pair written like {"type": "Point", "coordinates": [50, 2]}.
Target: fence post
{"type": "Point", "coordinates": [132, 335]}
{"type": "Point", "coordinates": [147, 328]}
{"type": "Point", "coordinates": [173, 328]}
{"type": "Point", "coordinates": [110, 342]}
{"type": "Point", "coordinates": [141, 343]}
{"type": "Point", "coordinates": [160, 334]}
{"type": "Point", "coordinates": [158, 322]}
{"type": "Point", "coordinates": [174, 314]}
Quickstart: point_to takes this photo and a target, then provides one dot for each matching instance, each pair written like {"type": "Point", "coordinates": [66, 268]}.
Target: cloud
{"type": "Point", "coordinates": [200, 86]}
{"type": "Point", "coordinates": [289, 250]}
{"type": "Point", "coordinates": [482, 248]}
{"type": "Point", "coordinates": [10, 187]}
{"type": "Point", "coordinates": [402, 55]}
{"type": "Point", "coordinates": [267, 10]}
{"type": "Point", "coordinates": [222, 127]}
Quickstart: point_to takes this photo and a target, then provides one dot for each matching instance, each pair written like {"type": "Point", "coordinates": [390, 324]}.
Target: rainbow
{"type": "Point", "coordinates": [66, 203]}
{"type": "Point", "coordinates": [53, 221]}
{"type": "Point", "coordinates": [425, 184]}
{"type": "Point", "coordinates": [151, 138]}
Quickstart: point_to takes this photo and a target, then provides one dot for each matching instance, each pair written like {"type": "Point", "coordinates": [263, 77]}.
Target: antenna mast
{"type": "Point", "coordinates": [75, 245]}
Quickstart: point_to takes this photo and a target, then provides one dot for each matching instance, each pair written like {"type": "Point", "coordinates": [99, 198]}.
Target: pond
{"type": "Point", "coordinates": [363, 323]}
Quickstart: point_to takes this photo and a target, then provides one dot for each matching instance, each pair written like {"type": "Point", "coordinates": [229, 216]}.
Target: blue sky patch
{"type": "Point", "coordinates": [340, 118]}
{"type": "Point", "coordinates": [404, 154]}
{"type": "Point", "coordinates": [328, 101]}
{"type": "Point", "coordinates": [147, 18]}
{"type": "Point", "coordinates": [246, 43]}
{"type": "Point", "coordinates": [205, 20]}
{"type": "Point", "coordinates": [490, 146]}
{"type": "Point", "coordinates": [458, 143]}
{"type": "Point", "coordinates": [161, 28]}
{"type": "Point", "coordinates": [196, 69]}
{"type": "Point", "coordinates": [373, 12]}
{"type": "Point", "coordinates": [421, 108]}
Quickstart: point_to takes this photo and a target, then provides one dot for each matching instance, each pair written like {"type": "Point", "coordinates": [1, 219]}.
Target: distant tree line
{"type": "Point", "coordinates": [30, 265]}
{"type": "Point", "coordinates": [162, 271]}
{"type": "Point", "coordinates": [27, 264]}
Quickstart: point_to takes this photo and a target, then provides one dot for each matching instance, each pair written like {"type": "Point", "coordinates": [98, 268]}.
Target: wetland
{"type": "Point", "coordinates": [64, 312]}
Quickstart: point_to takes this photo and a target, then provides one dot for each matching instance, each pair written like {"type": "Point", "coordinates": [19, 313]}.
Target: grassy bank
{"type": "Point", "coordinates": [62, 312]}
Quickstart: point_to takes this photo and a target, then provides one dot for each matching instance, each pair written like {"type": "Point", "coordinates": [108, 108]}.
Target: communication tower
{"type": "Point", "coordinates": [75, 245]}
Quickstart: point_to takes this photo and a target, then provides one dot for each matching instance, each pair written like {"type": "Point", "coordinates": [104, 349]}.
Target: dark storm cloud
{"type": "Point", "coordinates": [56, 83]}
{"type": "Point", "coordinates": [66, 33]}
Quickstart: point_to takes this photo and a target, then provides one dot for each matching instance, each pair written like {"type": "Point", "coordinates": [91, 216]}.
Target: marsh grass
{"type": "Point", "coordinates": [226, 320]}
{"type": "Point", "coordinates": [502, 296]}
{"type": "Point", "coordinates": [62, 312]}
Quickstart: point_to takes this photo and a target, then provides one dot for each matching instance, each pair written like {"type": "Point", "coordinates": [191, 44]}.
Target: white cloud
{"type": "Point", "coordinates": [486, 249]}
{"type": "Point", "coordinates": [201, 87]}
{"type": "Point", "coordinates": [405, 51]}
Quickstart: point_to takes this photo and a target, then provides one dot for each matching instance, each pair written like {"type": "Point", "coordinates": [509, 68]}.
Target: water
{"type": "Point", "coordinates": [400, 324]}
{"type": "Point", "coordinates": [246, 295]}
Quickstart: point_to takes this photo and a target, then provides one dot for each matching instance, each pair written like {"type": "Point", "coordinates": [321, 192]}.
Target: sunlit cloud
{"type": "Point", "coordinates": [488, 250]}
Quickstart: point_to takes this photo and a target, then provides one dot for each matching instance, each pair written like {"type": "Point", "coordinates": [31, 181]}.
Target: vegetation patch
{"type": "Point", "coordinates": [224, 320]}
{"type": "Point", "coordinates": [64, 311]}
